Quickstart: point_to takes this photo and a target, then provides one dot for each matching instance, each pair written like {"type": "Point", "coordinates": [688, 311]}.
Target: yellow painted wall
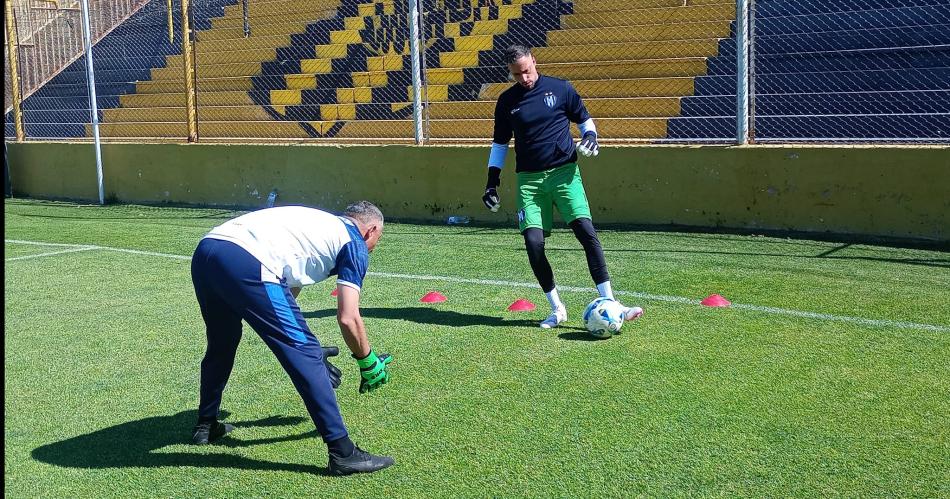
{"type": "Point", "coordinates": [899, 192]}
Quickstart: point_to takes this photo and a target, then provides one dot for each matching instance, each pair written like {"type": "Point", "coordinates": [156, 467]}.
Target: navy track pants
{"type": "Point", "coordinates": [230, 288]}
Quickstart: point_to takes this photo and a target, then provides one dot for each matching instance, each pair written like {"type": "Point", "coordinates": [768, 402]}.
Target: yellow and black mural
{"type": "Point", "coordinates": [341, 68]}
{"type": "Point", "coordinates": [356, 66]}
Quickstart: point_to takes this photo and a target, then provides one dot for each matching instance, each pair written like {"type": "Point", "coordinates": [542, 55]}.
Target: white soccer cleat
{"type": "Point", "coordinates": [557, 317]}
{"type": "Point", "coordinates": [632, 313]}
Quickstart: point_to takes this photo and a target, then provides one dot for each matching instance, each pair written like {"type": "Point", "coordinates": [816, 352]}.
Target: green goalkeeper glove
{"type": "Point", "coordinates": [373, 370]}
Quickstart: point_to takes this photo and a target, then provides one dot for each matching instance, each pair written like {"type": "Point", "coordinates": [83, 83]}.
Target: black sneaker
{"type": "Point", "coordinates": [209, 431]}
{"type": "Point", "coordinates": [358, 462]}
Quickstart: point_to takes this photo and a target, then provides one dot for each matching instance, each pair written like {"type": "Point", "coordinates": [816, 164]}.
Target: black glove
{"type": "Point", "coordinates": [491, 199]}
{"type": "Point", "coordinates": [588, 144]}
{"type": "Point", "coordinates": [332, 371]}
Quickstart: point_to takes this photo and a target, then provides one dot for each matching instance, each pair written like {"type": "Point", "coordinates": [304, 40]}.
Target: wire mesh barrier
{"type": "Point", "coordinates": [51, 77]}
{"type": "Point", "coordinates": [37, 25]}
{"type": "Point", "coordinates": [853, 70]}
{"type": "Point", "coordinates": [632, 61]}
{"type": "Point", "coordinates": [343, 70]}
{"type": "Point", "coordinates": [304, 70]}
{"type": "Point", "coordinates": [244, 65]}
{"type": "Point", "coordinates": [149, 50]}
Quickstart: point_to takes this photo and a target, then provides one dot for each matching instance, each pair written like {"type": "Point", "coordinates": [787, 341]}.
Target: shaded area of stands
{"type": "Point", "coordinates": [60, 109]}
{"type": "Point", "coordinates": [850, 69]}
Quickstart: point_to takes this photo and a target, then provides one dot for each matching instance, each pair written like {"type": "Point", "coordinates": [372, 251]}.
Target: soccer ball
{"type": "Point", "coordinates": [603, 317]}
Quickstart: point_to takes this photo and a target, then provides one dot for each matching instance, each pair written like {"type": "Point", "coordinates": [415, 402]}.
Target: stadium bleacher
{"type": "Point", "coordinates": [647, 69]}
{"type": "Point", "coordinates": [465, 72]}
{"type": "Point", "coordinates": [60, 108]}
{"type": "Point", "coordinates": [849, 69]}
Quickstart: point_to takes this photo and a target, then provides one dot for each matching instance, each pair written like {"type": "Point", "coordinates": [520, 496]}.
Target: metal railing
{"type": "Point", "coordinates": [49, 37]}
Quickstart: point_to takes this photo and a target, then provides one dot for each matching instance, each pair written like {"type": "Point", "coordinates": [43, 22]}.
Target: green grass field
{"type": "Point", "coordinates": [760, 399]}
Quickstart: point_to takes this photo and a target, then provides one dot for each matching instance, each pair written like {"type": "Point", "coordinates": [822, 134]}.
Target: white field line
{"type": "Point", "coordinates": [687, 301]}
{"type": "Point", "coordinates": [80, 247]}
{"type": "Point", "coordinates": [882, 323]}
{"type": "Point", "coordinates": [51, 253]}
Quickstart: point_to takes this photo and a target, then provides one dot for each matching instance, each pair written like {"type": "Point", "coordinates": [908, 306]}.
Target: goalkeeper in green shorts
{"type": "Point", "coordinates": [538, 111]}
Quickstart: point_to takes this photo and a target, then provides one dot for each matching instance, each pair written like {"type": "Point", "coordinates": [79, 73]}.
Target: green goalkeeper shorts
{"type": "Point", "coordinates": [539, 192]}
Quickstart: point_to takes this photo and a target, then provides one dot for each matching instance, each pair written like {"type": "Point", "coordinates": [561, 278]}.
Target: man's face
{"type": "Point", "coordinates": [524, 71]}
{"type": "Point", "coordinates": [372, 235]}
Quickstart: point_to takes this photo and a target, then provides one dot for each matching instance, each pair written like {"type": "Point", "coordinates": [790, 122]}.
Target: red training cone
{"type": "Point", "coordinates": [335, 292]}
{"type": "Point", "coordinates": [521, 305]}
{"type": "Point", "coordinates": [432, 297]}
{"type": "Point", "coordinates": [715, 301]}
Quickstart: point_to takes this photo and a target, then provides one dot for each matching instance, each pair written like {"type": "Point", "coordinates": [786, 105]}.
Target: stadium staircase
{"type": "Point", "coordinates": [60, 108]}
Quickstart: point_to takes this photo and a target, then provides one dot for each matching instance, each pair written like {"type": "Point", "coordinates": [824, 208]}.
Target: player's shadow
{"type": "Point", "coordinates": [137, 444]}
{"type": "Point", "coordinates": [577, 335]}
{"type": "Point", "coordinates": [427, 315]}
{"type": "Point", "coordinates": [828, 254]}
{"type": "Point", "coordinates": [70, 212]}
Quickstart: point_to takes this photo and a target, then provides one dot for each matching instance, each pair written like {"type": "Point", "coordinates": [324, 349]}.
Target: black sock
{"type": "Point", "coordinates": [341, 447]}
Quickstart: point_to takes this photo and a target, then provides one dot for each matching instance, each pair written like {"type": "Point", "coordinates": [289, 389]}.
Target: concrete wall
{"type": "Point", "coordinates": [900, 192]}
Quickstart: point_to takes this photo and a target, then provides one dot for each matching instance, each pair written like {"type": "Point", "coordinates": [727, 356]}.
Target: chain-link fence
{"type": "Point", "coordinates": [851, 70]}
{"type": "Point", "coordinates": [136, 78]}
{"type": "Point", "coordinates": [307, 69]}
{"type": "Point", "coordinates": [342, 70]}
{"type": "Point", "coordinates": [48, 40]}
{"type": "Point", "coordinates": [632, 61]}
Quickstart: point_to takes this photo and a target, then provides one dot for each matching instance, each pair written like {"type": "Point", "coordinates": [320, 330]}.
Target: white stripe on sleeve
{"type": "Point", "coordinates": [497, 156]}
{"type": "Point", "coordinates": [587, 126]}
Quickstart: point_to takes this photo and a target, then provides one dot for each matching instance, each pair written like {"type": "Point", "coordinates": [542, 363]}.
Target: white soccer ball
{"type": "Point", "coordinates": [603, 317]}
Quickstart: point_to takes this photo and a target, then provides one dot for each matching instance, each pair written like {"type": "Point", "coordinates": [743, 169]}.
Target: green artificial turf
{"type": "Point", "coordinates": [102, 350]}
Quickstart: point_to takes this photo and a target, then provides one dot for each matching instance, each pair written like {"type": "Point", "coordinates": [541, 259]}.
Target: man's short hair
{"type": "Point", "coordinates": [515, 52]}
{"type": "Point", "coordinates": [364, 212]}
